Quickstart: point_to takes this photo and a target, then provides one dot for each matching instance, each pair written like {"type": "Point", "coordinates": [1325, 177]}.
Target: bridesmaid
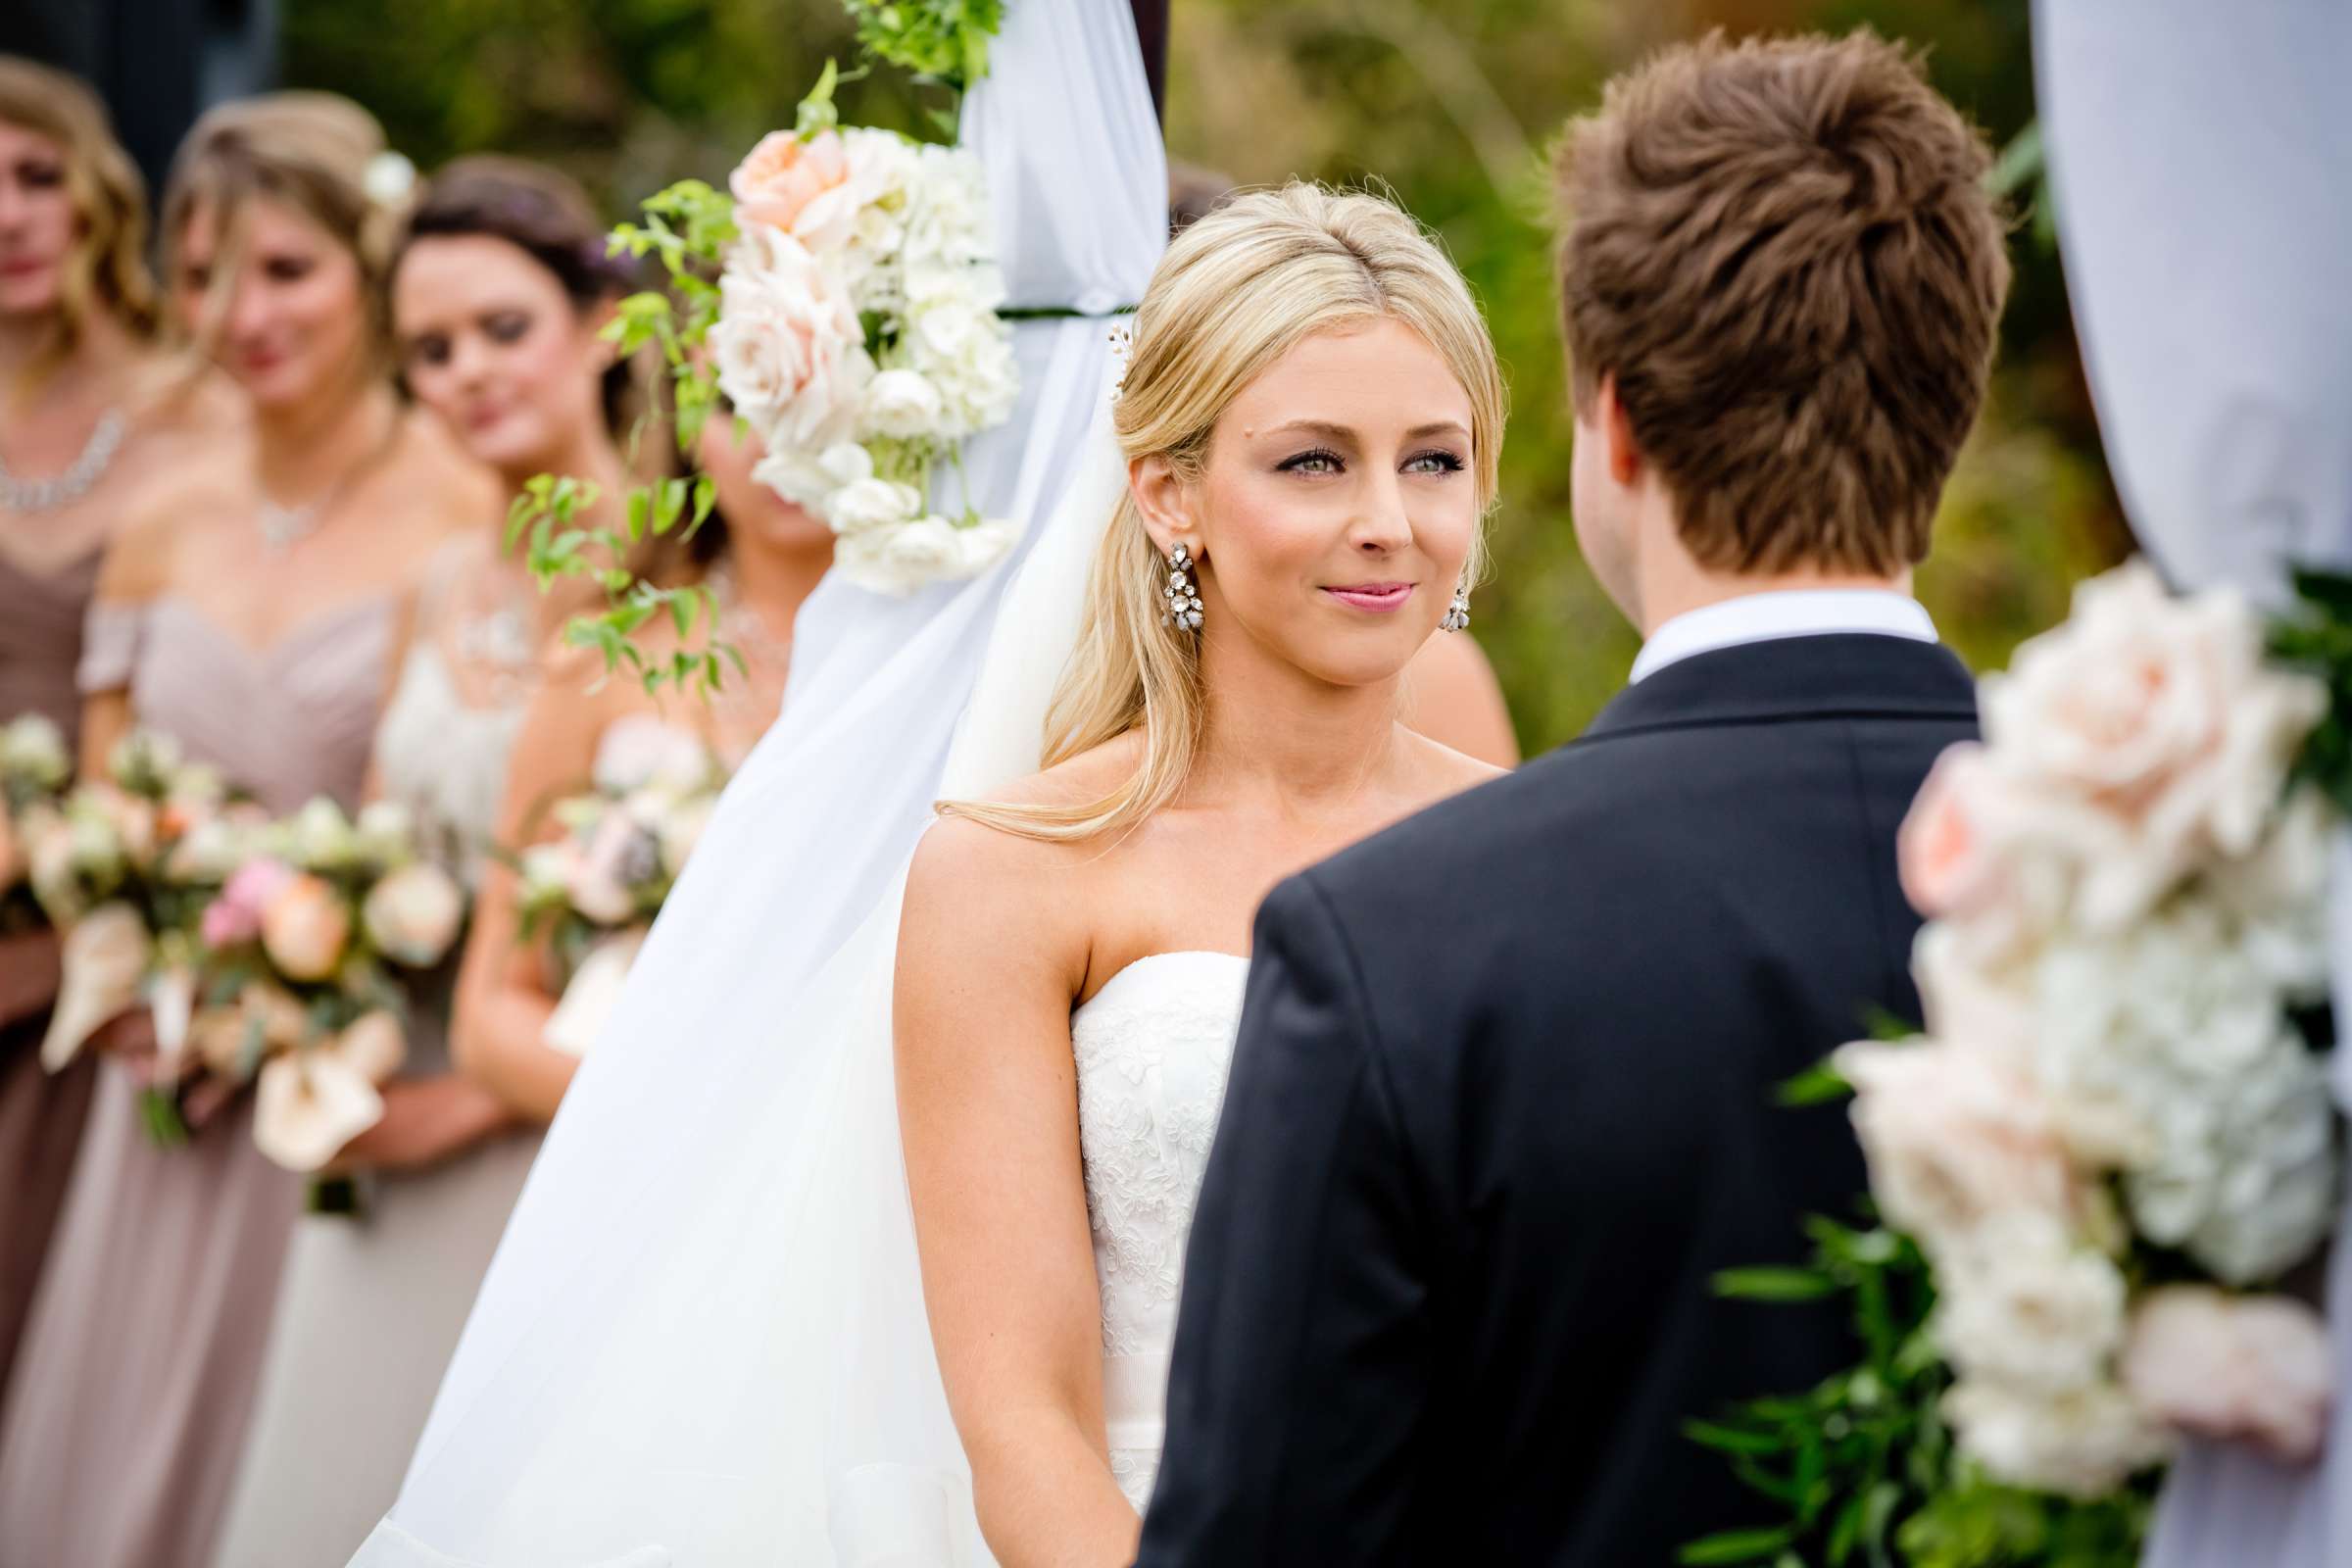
{"type": "Point", "coordinates": [499, 291]}
{"type": "Point", "coordinates": [251, 613]}
{"type": "Point", "coordinates": [90, 414]}
{"type": "Point", "coordinates": [761, 555]}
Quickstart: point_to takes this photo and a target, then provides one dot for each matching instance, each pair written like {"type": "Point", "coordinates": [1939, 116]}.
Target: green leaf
{"type": "Point", "coordinates": [1737, 1546]}
{"type": "Point", "coordinates": [1815, 1086]}
{"type": "Point", "coordinates": [1731, 1440]}
{"type": "Point", "coordinates": [1774, 1284]}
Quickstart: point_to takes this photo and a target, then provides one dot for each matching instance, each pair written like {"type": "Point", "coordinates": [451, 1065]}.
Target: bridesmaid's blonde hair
{"type": "Point", "coordinates": [312, 151]}
{"type": "Point", "coordinates": [1237, 291]}
{"type": "Point", "coordinates": [106, 270]}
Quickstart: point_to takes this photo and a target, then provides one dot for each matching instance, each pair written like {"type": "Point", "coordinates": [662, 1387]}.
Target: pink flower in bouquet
{"type": "Point", "coordinates": [2161, 714]}
{"type": "Point", "coordinates": [1995, 854]}
{"type": "Point", "coordinates": [800, 186]}
{"type": "Point", "coordinates": [235, 916]}
{"type": "Point", "coordinates": [375, 1046]}
{"type": "Point", "coordinates": [2251, 1367]}
{"type": "Point", "coordinates": [413, 913]}
{"type": "Point", "coordinates": [305, 928]}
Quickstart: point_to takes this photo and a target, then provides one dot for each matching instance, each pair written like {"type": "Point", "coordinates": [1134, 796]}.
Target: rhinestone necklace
{"type": "Point", "coordinates": [63, 489]}
{"type": "Point", "coordinates": [285, 527]}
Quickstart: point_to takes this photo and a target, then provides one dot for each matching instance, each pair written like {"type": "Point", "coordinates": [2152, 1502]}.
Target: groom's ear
{"type": "Point", "coordinates": [1165, 500]}
{"type": "Point", "coordinates": [1624, 452]}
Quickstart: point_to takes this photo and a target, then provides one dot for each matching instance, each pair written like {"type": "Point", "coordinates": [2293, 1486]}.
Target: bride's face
{"type": "Point", "coordinates": [1336, 505]}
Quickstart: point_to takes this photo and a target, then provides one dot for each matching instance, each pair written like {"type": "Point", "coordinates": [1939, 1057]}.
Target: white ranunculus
{"type": "Point", "coordinates": [2023, 1304]}
{"type": "Point", "coordinates": [2162, 712]}
{"type": "Point", "coordinates": [790, 352]}
{"type": "Point", "coordinates": [319, 836]}
{"type": "Point", "coordinates": [916, 554]}
{"type": "Point", "coordinates": [902, 403]}
{"type": "Point", "coordinates": [2084, 1444]}
{"type": "Point", "coordinates": [873, 505]}
{"type": "Point", "coordinates": [2232, 1368]}
{"type": "Point", "coordinates": [33, 748]}
{"type": "Point", "coordinates": [1953, 1136]}
{"type": "Point", "coordinates": [386, 831]}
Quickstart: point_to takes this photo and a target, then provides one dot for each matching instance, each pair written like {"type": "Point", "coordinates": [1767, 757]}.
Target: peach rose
{"type": "Point", "coordinates": [2161, 714]}
{"type": "Point", "coordinates": [2250, 1368]}
{"type": "Point", "coordinates": [800, 186]}
{"type": "Point", "coordinates": [412, 915]}
{"type": "Point", "coordinates": [305, 928]}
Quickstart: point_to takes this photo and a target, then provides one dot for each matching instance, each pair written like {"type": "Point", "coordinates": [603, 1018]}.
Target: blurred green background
{"type": "Point", "coordinates": [1451, 104]}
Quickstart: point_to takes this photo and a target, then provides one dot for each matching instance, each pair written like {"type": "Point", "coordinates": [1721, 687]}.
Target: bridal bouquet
{"type": "Point", "coordinates": [592, 893]}
{"type": "Point", "coordinates": [2116, 1135]}
{"type": "Point", "coordinates": [299, 949]}
{"type": "Point", "coordinates": [122, 866]}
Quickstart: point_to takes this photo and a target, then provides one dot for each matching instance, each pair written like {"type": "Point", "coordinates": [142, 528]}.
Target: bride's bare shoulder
{"type": "Point", "coordinates": [1440, 771]}
{"type": "Point", "coordinates": [1025, 891]}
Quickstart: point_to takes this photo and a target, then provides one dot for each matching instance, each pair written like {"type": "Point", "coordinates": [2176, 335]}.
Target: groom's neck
{"type": "Point", "coordinates": [1671, 583]}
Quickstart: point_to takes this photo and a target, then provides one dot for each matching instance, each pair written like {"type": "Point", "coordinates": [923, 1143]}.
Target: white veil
{"type": "Point", "coordinates": [703, 1341]}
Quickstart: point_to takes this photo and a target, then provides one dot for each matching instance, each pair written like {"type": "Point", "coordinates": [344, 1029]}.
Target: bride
{"type": "Point", "coordinates": [705, 1339]}
{"type": "Point", "coordinates": [1310, 420]}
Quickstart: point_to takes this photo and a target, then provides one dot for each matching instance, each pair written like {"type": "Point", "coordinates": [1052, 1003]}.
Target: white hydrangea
{"type": "Point", "coordinates": [2084, 1443]}
{"type": "Point", "coordinates": [2023, 1304]}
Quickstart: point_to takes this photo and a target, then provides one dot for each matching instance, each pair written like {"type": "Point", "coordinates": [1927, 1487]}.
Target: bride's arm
{"type": "Point", "coordinates": [990, 953]}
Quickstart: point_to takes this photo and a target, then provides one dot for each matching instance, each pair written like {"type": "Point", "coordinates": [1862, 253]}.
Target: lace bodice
{"type": "Point", "coordinates": [1151, 1048]}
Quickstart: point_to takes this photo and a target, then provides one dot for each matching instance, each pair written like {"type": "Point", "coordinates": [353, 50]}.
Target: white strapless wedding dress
{"type": "Point", "coordinates": [1151, 1048]}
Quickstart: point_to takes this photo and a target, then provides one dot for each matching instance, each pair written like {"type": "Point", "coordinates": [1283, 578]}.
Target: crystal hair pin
{"type": "Point", "coordinates": [1122, 349]}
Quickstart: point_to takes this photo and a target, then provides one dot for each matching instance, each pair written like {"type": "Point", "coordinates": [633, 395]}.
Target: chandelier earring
{"type": "Point", "coordinates": [1458, 614]}
{"type": "Point", "coordinates": [1182, 590]}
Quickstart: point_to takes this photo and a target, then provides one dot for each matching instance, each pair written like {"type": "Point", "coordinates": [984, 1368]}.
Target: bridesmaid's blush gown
{"type": "Point", "coordinates": [136, 1378]}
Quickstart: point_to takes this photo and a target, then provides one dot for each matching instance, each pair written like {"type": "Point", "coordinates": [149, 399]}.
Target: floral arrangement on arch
{"type": "Point", "coordinates": [842, 298]}
{"type": "Point", "coordinates": [2096, 1169]}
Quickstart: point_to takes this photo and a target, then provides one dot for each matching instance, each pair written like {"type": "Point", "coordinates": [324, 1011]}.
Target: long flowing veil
{"type": "Point", "coordinates": [2201, 157]}
{"type": "Point", "coordinates": [703, 1340]}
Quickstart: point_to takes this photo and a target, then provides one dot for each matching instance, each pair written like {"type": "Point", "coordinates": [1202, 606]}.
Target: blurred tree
{"type": "Point", "coordinates": [1450, 105]}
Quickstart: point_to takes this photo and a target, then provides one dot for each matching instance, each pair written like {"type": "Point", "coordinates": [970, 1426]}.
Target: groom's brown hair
{"type": "Point", "coordinates": [1784, 255]}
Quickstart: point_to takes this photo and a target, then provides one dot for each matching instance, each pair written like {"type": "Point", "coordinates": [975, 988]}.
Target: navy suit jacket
{"type": "Point", "coordinates": [1503, 1103]}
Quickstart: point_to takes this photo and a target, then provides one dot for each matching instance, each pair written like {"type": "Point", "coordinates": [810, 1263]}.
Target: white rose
{"type": "Point", "coordinates": [790, 352]}
{"type": "Point", "coordinates": [2083, 1445]}
{"type": "Point", "coordinates": [2162, 712]}
{"type": "Point", "coordinates": [916, 554]}
{"type": "Point", "coordinates": [2256, 1368]}
{"type": "Point", "coordinates": [1953, 1136]}
{"type": "Point", "coordinates": [805, 480]}
{"type": "Point", "coordinates": [413, 915]}
{"type": "Point", "coordinates": [641, 751]}
{"type": "Point", "coordinates": [902, 403]}
{"type": "Point", "coordinates": [2023, 1304]}
{"type": "Point", "coordinates": [872, 503]}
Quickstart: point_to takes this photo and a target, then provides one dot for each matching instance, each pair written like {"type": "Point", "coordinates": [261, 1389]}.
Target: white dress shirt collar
{"type": "Point", "coordinates": [1787, 612]}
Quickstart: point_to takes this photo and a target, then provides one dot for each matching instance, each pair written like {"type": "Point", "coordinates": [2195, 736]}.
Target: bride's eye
{"type": "Point", "coordinates": [1318, 461]}
{"type": "Point", "coordinates": [1436, 461]}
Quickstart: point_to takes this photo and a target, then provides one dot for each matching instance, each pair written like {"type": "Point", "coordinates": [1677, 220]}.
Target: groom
{"type": "Point", "coordinates": [1503, 1100]}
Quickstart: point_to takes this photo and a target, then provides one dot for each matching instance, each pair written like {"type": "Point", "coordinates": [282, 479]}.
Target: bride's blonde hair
{"type": "Point", "coordinates": [1237, 291]}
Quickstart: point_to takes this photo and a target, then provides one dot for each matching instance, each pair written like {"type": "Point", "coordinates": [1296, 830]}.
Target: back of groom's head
{"type": "Point", "coordinates": [1784, 257]}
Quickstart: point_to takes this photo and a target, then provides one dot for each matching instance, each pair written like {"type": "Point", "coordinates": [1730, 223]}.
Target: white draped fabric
{"type": "Point", "coordinates": [703, 1341]}
{"type": "Point", "coordinates": [2201, 160]}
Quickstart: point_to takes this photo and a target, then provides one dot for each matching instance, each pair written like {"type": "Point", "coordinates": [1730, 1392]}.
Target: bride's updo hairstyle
{"type": "Point", "coordinates": [1236, 290]}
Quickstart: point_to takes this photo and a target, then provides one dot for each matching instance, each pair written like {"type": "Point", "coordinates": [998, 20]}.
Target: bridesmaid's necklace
{"type": "Point", "coordinates": [81, 476]}
{"type": "Point", "coordinates": [283, 527]}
